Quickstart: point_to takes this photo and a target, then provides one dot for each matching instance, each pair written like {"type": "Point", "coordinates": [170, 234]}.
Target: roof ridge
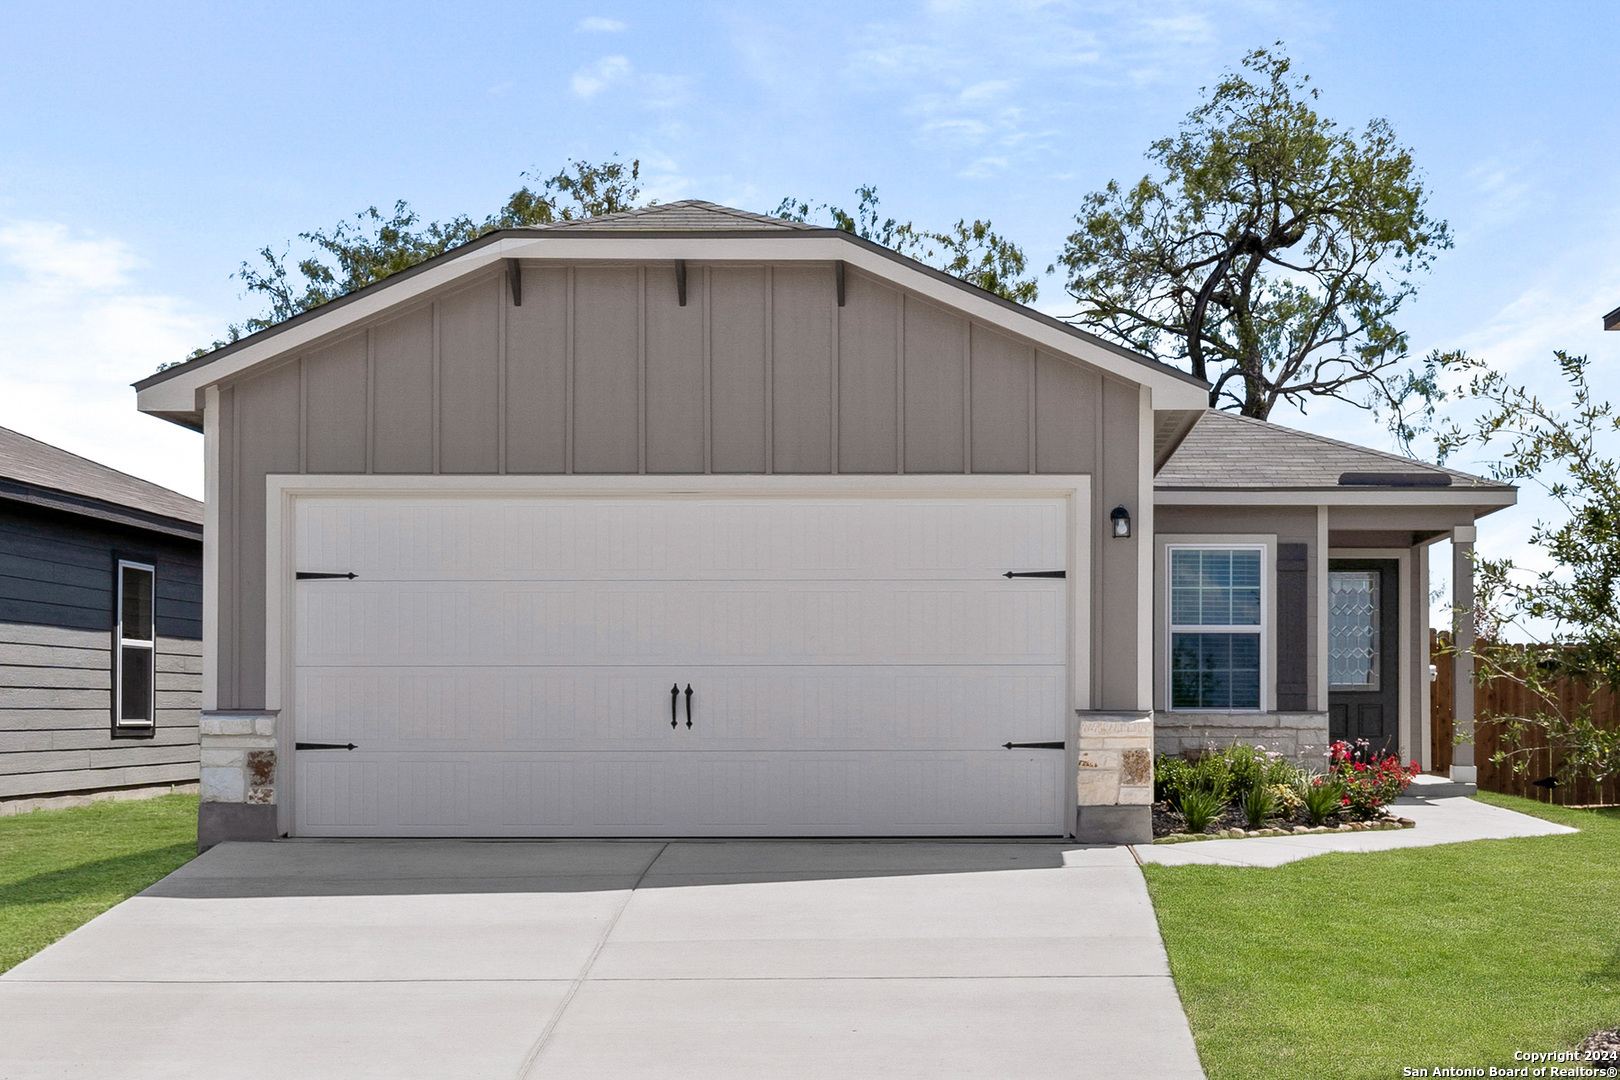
{"type": "Point", "coordinates": [1257, 422]}
{"type": "Point", "coordinates": [656, 209]}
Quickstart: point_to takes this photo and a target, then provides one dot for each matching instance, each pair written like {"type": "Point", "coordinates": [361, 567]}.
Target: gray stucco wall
{"type": "Point", "coordinates": [600, 370]}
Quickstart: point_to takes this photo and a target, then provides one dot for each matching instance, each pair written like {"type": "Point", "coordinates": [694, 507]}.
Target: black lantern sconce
{"type": "Point", "coordinates": [1121, 520]}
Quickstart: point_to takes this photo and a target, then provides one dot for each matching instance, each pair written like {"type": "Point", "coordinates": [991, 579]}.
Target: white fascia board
{"type": "Point", "coordinates": [181, 393]}
{"type": "Point", "coordinates": [1492, 498]}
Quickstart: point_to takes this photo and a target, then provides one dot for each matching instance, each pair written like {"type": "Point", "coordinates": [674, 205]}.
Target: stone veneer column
{"type": "Point", "coordinates": [1114, 785]}
{"type": "Point", "coordinates": [238, 777]}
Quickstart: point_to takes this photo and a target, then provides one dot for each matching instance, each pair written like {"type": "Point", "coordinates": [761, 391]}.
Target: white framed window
{"type": "Point", "coordinates": [1217, 627]}
{"type": "Point", "coordinates": [135, 647]}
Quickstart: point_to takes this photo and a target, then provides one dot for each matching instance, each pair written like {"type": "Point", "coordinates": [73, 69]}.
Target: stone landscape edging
{"type": "Point", "coordinates": [1297, 830]}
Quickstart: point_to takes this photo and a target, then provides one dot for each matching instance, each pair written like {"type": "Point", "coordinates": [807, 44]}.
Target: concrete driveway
{"type": "Point", "coordinates": [584, 959]}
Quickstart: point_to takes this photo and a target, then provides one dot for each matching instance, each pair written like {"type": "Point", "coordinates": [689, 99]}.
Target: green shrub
{"type": "Point", "coordinates": [1200, 807]}
{"type": "Point", "coordinates": [1212, 775]}
{"type": "Point", "coordinates": [1245, 770]}
{"type": "Point", "coordinates": [1323, 797]}
{"type": "Point", "coordinates": [1169, 777]}
{"type": "Point", "coordinates": [1258, 804]}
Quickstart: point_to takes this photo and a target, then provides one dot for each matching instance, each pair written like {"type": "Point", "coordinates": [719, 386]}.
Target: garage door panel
{"type": "Point", "coordinates": [877, 708]}
{"type": "Point", "coordinates": [467, 624]}
{"type": "Point", "coordinates": [690, 794]}
{"type": "Point", "coordinates": [431, 538]}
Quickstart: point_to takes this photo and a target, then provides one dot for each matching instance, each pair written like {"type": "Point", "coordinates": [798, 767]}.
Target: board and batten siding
{"type": "Point", "coordinates": [57, 592]}
{"type": "Point", "coordinates": [601, 370]}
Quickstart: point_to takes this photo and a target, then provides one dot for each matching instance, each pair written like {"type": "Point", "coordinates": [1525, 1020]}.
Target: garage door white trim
{"type": "Point", "coordinates": [284, 491]}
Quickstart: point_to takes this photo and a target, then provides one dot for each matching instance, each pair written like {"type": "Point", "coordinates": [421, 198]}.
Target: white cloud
{"type": "Point", "coordinates": [595, 24]}
{"type": "Point", "coordinates": [985, 167]}
{"type": "Point", "coordinates": [593, 79]}
{"type": "Point", "coordinates": [980, 79]}
{"type": "Point", "coordinates": [984, 91]}
{"type": "Point", "coordinates": [76, 329]}
{"type": "Point", "coordinates": [647, 89]}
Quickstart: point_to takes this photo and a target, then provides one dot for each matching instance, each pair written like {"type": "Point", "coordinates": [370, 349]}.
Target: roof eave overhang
{"type": "Point", "coordinates": [176, 394]}
{"type": "Point", "coordinates": [97, 509]}
{"type": "Point", "coordinates": [1483, 500]}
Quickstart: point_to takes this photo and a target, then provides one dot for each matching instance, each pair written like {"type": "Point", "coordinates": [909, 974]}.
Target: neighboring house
{"type": "Point", "coordinates": [100, 630]}
{"type": "Point", "coordinates": [1611, 321]}
{"type": "Point", "coordinates": [688, 521]}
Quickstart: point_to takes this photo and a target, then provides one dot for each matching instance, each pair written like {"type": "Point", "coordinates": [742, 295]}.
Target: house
{"type": "Point", "coordinates": [100, 630]}
{"type": "Point", "coordinates": [689, 521]}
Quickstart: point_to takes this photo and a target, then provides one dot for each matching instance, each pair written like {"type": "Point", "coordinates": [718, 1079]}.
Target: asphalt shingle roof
{"type": "Point", "coordinates": [1227, 451]}
{"type": "Point", "coordinates": [41, 465]}
{"type": "Point", "coordinates": [692, 215]}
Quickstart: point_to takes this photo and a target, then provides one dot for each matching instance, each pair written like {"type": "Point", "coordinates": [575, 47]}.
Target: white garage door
{"type": "Point", "coordinates": [679, 666]}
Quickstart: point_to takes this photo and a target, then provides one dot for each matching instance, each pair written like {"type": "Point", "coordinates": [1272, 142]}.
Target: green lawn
{"type": "Point", "coordinates": [61, 868]}
{"type": "Point", "coordinates": [1349, 966]}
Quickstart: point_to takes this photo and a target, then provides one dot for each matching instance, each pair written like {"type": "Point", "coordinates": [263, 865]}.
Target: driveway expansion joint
{"type": "Point", "coordinates": [539, 1046]}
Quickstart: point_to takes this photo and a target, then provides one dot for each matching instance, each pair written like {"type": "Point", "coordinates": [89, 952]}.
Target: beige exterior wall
{"type": "Point", "coordinates": [601, 371]}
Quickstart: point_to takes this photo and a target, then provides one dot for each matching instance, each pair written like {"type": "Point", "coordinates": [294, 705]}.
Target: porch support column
{"type": "Point", "coordinates": [1463, 768]}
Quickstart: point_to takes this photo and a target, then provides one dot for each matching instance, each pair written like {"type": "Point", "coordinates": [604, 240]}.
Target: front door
{"type": "Point", "coordinates": [1363, 652]}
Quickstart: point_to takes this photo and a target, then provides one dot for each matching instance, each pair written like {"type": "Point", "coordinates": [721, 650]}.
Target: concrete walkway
{"type": "Point", "coordinates": [1450, 820]}
{"type": "Point", "coordinates": [612, 959]}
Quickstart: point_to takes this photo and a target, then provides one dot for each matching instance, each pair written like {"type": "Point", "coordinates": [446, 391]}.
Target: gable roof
{"type": "Point", "coordinates": [688, 214]}
{"type": "Point", "coordinates": [687, 230]}
{"type": "Point", "coordinates": [1223, 451]}
{"type": "Point", "coordinates": [44, 475]}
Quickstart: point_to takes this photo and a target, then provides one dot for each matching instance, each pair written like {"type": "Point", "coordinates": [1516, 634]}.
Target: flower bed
{"type": "Point", "coordinates": [1244, 791]}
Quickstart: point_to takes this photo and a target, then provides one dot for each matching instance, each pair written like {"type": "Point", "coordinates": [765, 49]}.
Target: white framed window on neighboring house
{"type": "Point", "coordinates": [1217, 627]}
{"type": "Point", "coordinates": [135, 648]}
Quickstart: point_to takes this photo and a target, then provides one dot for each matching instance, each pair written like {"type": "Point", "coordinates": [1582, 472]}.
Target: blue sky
{"type": "Point", "coordinates": [145, 151]}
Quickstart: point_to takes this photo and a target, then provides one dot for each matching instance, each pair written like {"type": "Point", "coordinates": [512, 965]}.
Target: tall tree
{"type": "Point", "coordinates": [974, 251]}
{"type": "Point", "coordinates": [1269, 254]}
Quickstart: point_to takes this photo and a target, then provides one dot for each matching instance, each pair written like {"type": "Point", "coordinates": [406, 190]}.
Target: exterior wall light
{"type": "Point", "coordinates": [1121, 519]}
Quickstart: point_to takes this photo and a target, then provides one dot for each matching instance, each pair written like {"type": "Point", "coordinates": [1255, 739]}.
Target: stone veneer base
{"type": "Point", "coordinates": [1300, 737]}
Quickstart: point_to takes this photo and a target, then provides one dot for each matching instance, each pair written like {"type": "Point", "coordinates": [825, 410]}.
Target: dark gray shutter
{"type": "Point", "coordinates": [1293, 632]}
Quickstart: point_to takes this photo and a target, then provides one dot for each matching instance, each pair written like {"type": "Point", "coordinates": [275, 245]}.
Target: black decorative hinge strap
{"type": "Point", "coordinates": [324, 746]}
{"type": "Point", "coordinates": [1033, 746]}
{"type": "Point", "coordinates": [310, 575]}
{"type": "Point", "coordinates": [1036, 573]}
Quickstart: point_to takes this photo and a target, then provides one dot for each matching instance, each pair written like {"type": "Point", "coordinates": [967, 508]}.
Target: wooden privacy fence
{"type": "Point", "coordinates": [1501, 695]}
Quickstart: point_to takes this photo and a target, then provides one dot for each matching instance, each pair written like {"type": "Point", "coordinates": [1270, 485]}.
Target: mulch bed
{"type": "Point", "coordinates": [1168, 821]}
{"type": "Point", "coordinates": [1604, 1046]}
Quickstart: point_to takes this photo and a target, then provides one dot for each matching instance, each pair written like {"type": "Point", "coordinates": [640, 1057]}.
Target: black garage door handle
{"type": "Point", "coordinates": [674, 701]}
{"type": "Point", "coordinates": [689, 706]}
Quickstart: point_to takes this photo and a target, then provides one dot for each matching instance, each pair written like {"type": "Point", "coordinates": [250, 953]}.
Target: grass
{"type": "Point", "coordinates": [1358, 965]}
{"type": "Point", "coordinates": [61, 868]}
